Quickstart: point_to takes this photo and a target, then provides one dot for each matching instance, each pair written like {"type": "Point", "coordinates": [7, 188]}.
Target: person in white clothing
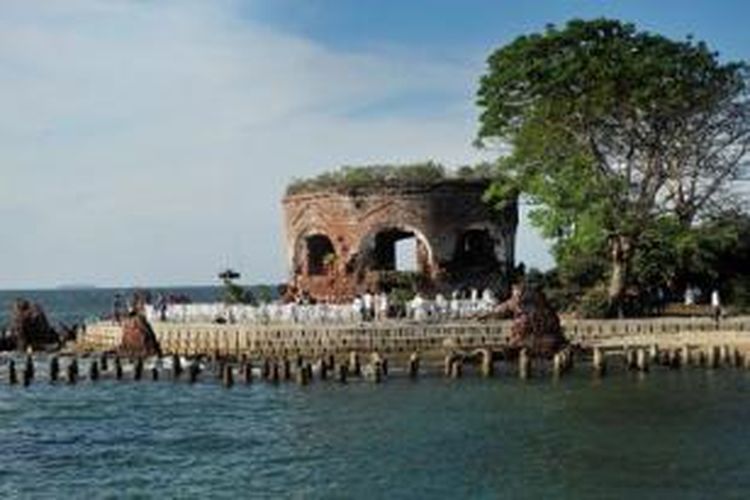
{"type": "Point", "coordinates": [357, 308]}
{"type": "Point", "coordinates": [417, 306]}
{"type": "Point", "coordinates": [368, 306]}
{"type": "Point", "coordinates": [716, 305]}
{"type": "Point", "coordinates": [382, 312]}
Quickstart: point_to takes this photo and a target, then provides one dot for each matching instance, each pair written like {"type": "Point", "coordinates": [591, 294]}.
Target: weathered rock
{"type": "Point", "coordinates": [536, 325]}
{"type": "Point", "coordinates": [138, 338]}
{"type": "Point", "coordinates": [29, 326]}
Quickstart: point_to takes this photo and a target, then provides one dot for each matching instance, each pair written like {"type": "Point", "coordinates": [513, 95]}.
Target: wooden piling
{"type": "Point", "coordinates": [246, 371]}
{"type": "Point", "coordinates": [103, 362]}
{"type": "Point", "coordinates": [286, 369]}
{"type": "Point", "coordinates": [674, 359]}
{"type": "Point", "coordinates": [73, 371]}
{"type": "Point", "coordinates": [154, 373]}
{"type": "Point", "coordinates": [457, 367]}
{"type": "Point", "coordinates": [227, 376]}
{"type": "Point", "coordinates": [29, 369]}
{"type": "Point", "coordinates": [568, 359]}
{"type": "Point", "coordinates": [642, 360]}
{"type": "Point", "coordinates": [176, 366]}
{"type": "Point", "coordinates": [448, 364]}
{"type": "Point", "coordinates": [524, 365]}
{"type": "Point", "coordinates": [54, 369]}
{"type": "Point", "coordinates": [377, 371]}
{"type": "Point", "coordinates": [118, 368]}
{"type": "Point", "coordinates": [138, 369]}
{"type": "Point", "coordinates": [736, 358]}
{"type": "Point", "coordinates": [343, 372]}
{"type": "Point", "coordinates": [599, 362]}
{"type": "Point", "coordinates": [413, 368]}
{"type": "Point", "coordinates": [12, 375]}
{"type": "Point", "coordinates": [193, 372]}
{"type": "Point", "coordinates": [665, 359]}
{"type": "Point", "coordinates": [685, 355]}
{"type": "Point", "coordinates": [274, 371]}
{"type": "Point", "coordinates": [558, 361]}
{"type": "Point", "coordinates": [653, 353]}
{"type": "Point", "coordinates": [265, 370]}
{"type": "Point", "coordinates": [739, 358]}
{"type": "Point", "coordinates": [94, 370]}
{"type": "Point", "coordinates": [702, 360]}
{"type": "Point", "coordinates": [631, 361]}
{"type": "Point", "coordinates": [724, 358]}
{"type": "Point", "coordinates": [712, 358]}
{"type": "Point", "coordinates": [354, 365]}
{"type": "Point", "coordinates": [487, 366]}
{"type": "Point", "coordinates": [331, 362]}
{"type": "Point", "coordinates": [323, 369]}
{"type": "Point", "coordinates": [302, 375]}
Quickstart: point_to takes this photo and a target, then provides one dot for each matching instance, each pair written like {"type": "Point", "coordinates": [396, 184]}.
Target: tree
{"type": "Point", "coordinates": [610, 129]}
{"type": "Point", "coordinates": [232, 292]}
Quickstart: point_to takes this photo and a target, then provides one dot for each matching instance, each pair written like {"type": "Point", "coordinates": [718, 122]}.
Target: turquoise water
{"type": "Point", "coordinates": [669, 434]}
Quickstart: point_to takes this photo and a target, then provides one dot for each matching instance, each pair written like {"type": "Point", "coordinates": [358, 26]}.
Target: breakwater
{"type": "Point", "coordinates": [192, 339]}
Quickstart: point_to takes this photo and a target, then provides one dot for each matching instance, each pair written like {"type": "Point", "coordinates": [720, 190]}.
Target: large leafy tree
{"type": "Point", "coordinates": [610, 129]}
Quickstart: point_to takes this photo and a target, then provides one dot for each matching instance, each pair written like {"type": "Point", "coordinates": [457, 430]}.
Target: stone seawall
{"type": "Point", "coordinates": [402, 337]}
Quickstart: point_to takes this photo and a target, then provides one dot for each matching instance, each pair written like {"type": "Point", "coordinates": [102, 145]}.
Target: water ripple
{"type": "Point", "coordinates": [670, 435]}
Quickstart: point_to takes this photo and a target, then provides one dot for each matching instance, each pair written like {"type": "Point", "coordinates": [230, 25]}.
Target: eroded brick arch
{"type": "Point", "coordinates": [360, 223]}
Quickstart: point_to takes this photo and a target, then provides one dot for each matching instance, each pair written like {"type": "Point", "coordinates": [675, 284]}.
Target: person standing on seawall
{"type": "Point", "coordinates": [716, 305]}
{"type": "Point", "coordinates": [117, 307]}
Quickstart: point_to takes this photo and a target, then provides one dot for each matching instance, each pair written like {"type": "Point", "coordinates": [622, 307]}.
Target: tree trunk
{"type": "Point", "coordinates": [620, 253]}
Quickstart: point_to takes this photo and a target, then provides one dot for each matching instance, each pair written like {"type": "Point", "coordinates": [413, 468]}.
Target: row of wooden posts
{"type": "Point", "coordinates": [274, 370]}
{"type": "Point", "coordinates": [271, 369]}
{"type": "Point", "coordinates": [641, 358]}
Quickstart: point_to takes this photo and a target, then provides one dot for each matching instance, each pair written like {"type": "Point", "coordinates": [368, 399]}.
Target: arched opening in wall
{"type": "Point", "coordinates": [475, 248]}
{"type": "Point", "coordinates": [398, 250]}
{"type": "Point", "coordinates": [320, 254]}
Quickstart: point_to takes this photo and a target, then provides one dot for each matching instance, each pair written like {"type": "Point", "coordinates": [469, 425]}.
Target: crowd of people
{"type": "Point", "coordinates": [368, 307]}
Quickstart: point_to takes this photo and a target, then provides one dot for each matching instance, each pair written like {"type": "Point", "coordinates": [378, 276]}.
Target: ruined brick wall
{"type": "Point", "coordinates": [340, 243]}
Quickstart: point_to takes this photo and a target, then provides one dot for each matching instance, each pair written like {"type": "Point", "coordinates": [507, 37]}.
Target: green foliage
{"type": "Point", "coordinates": [264, 294]}
{"type": "Point", "coordinates": [379, 176]}
{"type": "Point", "coordinates": [598, 116]}
{"type": "Point", "coordinates": [236, 294]}
{"type": "Point", "coordinates": [594, 303]}
{"type": "Point", "coordinates": [349, 177]}
{"type": "Point", "coordinates": [672, 256]}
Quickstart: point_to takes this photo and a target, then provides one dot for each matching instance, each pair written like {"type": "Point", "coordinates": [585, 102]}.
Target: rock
{"type": "Point", "coordinates": [138, 338]}
{"type": "Point", "coordinates": [29, 326]}
{"type": "Point", "coordinates": [536, 325]}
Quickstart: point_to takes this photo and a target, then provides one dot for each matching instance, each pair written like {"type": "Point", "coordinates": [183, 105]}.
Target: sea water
{"type": "Point", "coordinates": [669, 434]}
{"type": "Point", "coordinates": [666, 434]}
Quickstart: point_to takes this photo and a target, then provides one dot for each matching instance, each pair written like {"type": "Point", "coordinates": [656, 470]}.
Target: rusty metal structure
{"type": "Point", "coordinates": [342, 241]}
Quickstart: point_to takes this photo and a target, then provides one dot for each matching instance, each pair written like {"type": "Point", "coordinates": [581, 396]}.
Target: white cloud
{"type": "Point", "coordinates": [149, 142]}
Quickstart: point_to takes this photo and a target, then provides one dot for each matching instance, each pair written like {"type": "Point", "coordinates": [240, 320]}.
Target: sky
{"type": "Point", "coordinates": [147, 142]}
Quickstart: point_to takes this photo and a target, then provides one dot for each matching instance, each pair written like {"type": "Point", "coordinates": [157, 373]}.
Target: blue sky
{"type": "Point", "coordinates": [149, 142]}
{"type": "Point", "coordinates": [452, 27]}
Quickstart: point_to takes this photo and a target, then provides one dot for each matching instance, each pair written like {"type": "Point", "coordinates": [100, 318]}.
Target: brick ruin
{"type": "Point", "coordinates": [343, 241]}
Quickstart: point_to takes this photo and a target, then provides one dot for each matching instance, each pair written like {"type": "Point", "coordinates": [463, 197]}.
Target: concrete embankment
{"type": "Point", "coordinates": [404, 337]}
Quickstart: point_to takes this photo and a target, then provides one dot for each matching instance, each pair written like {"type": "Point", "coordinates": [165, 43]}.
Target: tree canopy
{"type": "Point", "coordinates": [612, 129]}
